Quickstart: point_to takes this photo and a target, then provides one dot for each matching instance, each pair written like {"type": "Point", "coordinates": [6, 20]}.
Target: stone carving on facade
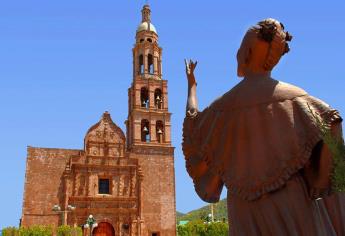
{"type": "Point", "coordinates": [126, 186]}
{"type": "Point", "coordinates": [121, 171]}
{"type": "Point", "coordinates": [116, 180]}
{"type": "Point", "coordinates": [121, 185]}
{"type": "Point", "coordinates": [105, 139]}
{"type": "Point", "coordinates": [133, 184]}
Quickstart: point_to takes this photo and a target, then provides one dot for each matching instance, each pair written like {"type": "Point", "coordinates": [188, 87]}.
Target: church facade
{"type": "Point", "coordinates": [126, 182]}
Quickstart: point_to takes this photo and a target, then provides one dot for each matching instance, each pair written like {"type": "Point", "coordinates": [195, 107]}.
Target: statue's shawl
{"type": "Point", "coordinates": [252, 139]}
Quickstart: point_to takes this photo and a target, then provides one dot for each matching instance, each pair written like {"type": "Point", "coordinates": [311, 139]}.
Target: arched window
{"type": "Point", "coordinates": [141, 64]}
{"type": "Point", "coordinates": [150, 40]}
{"type": "Point", "coordinates": [141, 40]}
{"type": "Point", "coordinates": [158, 98]}
{"type": "Point", "coordinates": [145, 131]}
{"type": "Point", "coordinates": [150, 63]}
{"type": "Point", "coordinates": [144, 97]}
{"type": "Point", "coordinates": [159, 131]}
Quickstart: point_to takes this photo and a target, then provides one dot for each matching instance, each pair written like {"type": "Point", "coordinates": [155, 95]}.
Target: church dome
{"type": "Point", "coordinates": [145, 26]}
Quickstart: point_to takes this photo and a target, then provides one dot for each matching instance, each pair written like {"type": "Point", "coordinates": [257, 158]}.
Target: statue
{"type": "Point", "coordinates": [260, 140]}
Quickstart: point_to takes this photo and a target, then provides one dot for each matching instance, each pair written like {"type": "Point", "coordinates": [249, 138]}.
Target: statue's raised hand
{"type": "Point", "coordinates": [192, 102]}
{"type": "Point", "coordinates": [190, 67]}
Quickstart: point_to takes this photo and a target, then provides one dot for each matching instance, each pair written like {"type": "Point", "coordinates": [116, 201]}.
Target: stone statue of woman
{"type": "Point", "coordinates": [261, 141]}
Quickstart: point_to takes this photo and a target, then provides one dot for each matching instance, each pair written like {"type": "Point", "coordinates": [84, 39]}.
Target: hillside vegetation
{"type": "Point", "coordinates": [219, 210]}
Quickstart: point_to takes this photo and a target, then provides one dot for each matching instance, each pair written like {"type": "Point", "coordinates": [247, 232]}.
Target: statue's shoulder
{"type": "Point", "coordinates": [284, 91]}
{"type": "Point", "coordinates": [250, 93]}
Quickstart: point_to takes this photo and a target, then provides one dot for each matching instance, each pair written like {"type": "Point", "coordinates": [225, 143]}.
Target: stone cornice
{"type": "Point", "coordinates": [102, 167]}
{"type": "Point", "coordinates": [106, 198]}
{"type": "Point", "coordinates": [152, 150]}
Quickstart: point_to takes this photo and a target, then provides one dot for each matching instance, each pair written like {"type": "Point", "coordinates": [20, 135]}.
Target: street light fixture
{"type": "Point", "coordinates": [56, 208]}
{"type": "Point", "coordinates": [90, 223]}
{"type": "Point", "coordinates": [71, 208]}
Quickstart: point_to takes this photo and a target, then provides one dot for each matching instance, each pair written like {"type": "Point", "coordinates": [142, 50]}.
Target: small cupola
{"type": "Point", "coordinates": [146, 24]}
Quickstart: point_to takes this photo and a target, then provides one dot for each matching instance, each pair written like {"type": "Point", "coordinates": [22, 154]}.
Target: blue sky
{"type": "Point", "coordinates": [63, 63]}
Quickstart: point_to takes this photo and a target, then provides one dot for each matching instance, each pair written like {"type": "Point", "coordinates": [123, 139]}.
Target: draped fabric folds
{"type": "Point", "coordinates": [255, 140]}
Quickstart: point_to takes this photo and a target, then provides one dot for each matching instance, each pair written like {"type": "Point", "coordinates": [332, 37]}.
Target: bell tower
{"type": "Point", "coordinates": [149, 132]}
{"type": "Point", "coordinates": [148, 121]}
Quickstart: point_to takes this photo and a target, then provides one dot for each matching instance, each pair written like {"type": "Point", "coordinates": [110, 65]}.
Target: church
{"type": "Point", "coordinates": [124, 183]}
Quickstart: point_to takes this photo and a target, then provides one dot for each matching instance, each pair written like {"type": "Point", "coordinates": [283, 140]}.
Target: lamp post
{"type": "Point", "coordinates": [57, 209]}
{"type": "Point", "coordinates": [90, 223]}
{"type": "Point", "coordinates": [212, 213]}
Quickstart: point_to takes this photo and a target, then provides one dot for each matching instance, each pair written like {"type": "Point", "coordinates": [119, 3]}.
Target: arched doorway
{"type": "Point", "coordinates": [104, 229]}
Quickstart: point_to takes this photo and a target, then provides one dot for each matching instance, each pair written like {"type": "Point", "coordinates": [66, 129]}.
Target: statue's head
{"type": "Point", "coordinates": [262, 47]}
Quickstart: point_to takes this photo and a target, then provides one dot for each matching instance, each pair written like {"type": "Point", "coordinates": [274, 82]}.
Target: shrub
{"type": "Point", "coordinates": [36, 230]}
{"type": "Point", "coordinates": [40, 230]}
{"type": "Point", "coordinates": [10, 231]}
{"type": "Point", "coordinates": [199, 228]}
{"type": "Point", "coordinates": [66, 230]}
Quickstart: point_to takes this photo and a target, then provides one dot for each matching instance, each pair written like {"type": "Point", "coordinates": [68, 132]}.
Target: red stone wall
{"type": "Point", "coordinates": [44, 168]}
{"type": "Point", "coordinates": [158, 203]}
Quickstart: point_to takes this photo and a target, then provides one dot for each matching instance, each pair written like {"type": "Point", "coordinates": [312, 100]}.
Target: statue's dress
{"type": "Point", "coordinates": [257, 139]}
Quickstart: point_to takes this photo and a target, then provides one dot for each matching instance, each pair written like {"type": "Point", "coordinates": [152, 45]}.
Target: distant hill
{"type": "Point", "coordinates": [219, 209]}
{"type": "Point", "coordinates": [179, 214]}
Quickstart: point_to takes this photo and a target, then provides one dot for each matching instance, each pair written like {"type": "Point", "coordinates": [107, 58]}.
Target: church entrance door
{"type": "Point", "coordinates": [104, 229]}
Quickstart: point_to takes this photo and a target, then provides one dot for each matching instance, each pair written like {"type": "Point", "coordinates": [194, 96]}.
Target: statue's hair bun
{"type": "Point", "coordinates": [267, 30]}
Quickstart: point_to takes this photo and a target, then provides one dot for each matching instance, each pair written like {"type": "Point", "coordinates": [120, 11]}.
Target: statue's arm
{"type": "Point", "coordinates": [192, 101]}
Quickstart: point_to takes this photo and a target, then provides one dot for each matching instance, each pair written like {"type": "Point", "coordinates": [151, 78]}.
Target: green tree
{"type": "Point", "coordinates": [217, 228]}
{"type": "Point", "coordinates": [183, 230]}
{"type": "Point", "coordinates": [199, 228]}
